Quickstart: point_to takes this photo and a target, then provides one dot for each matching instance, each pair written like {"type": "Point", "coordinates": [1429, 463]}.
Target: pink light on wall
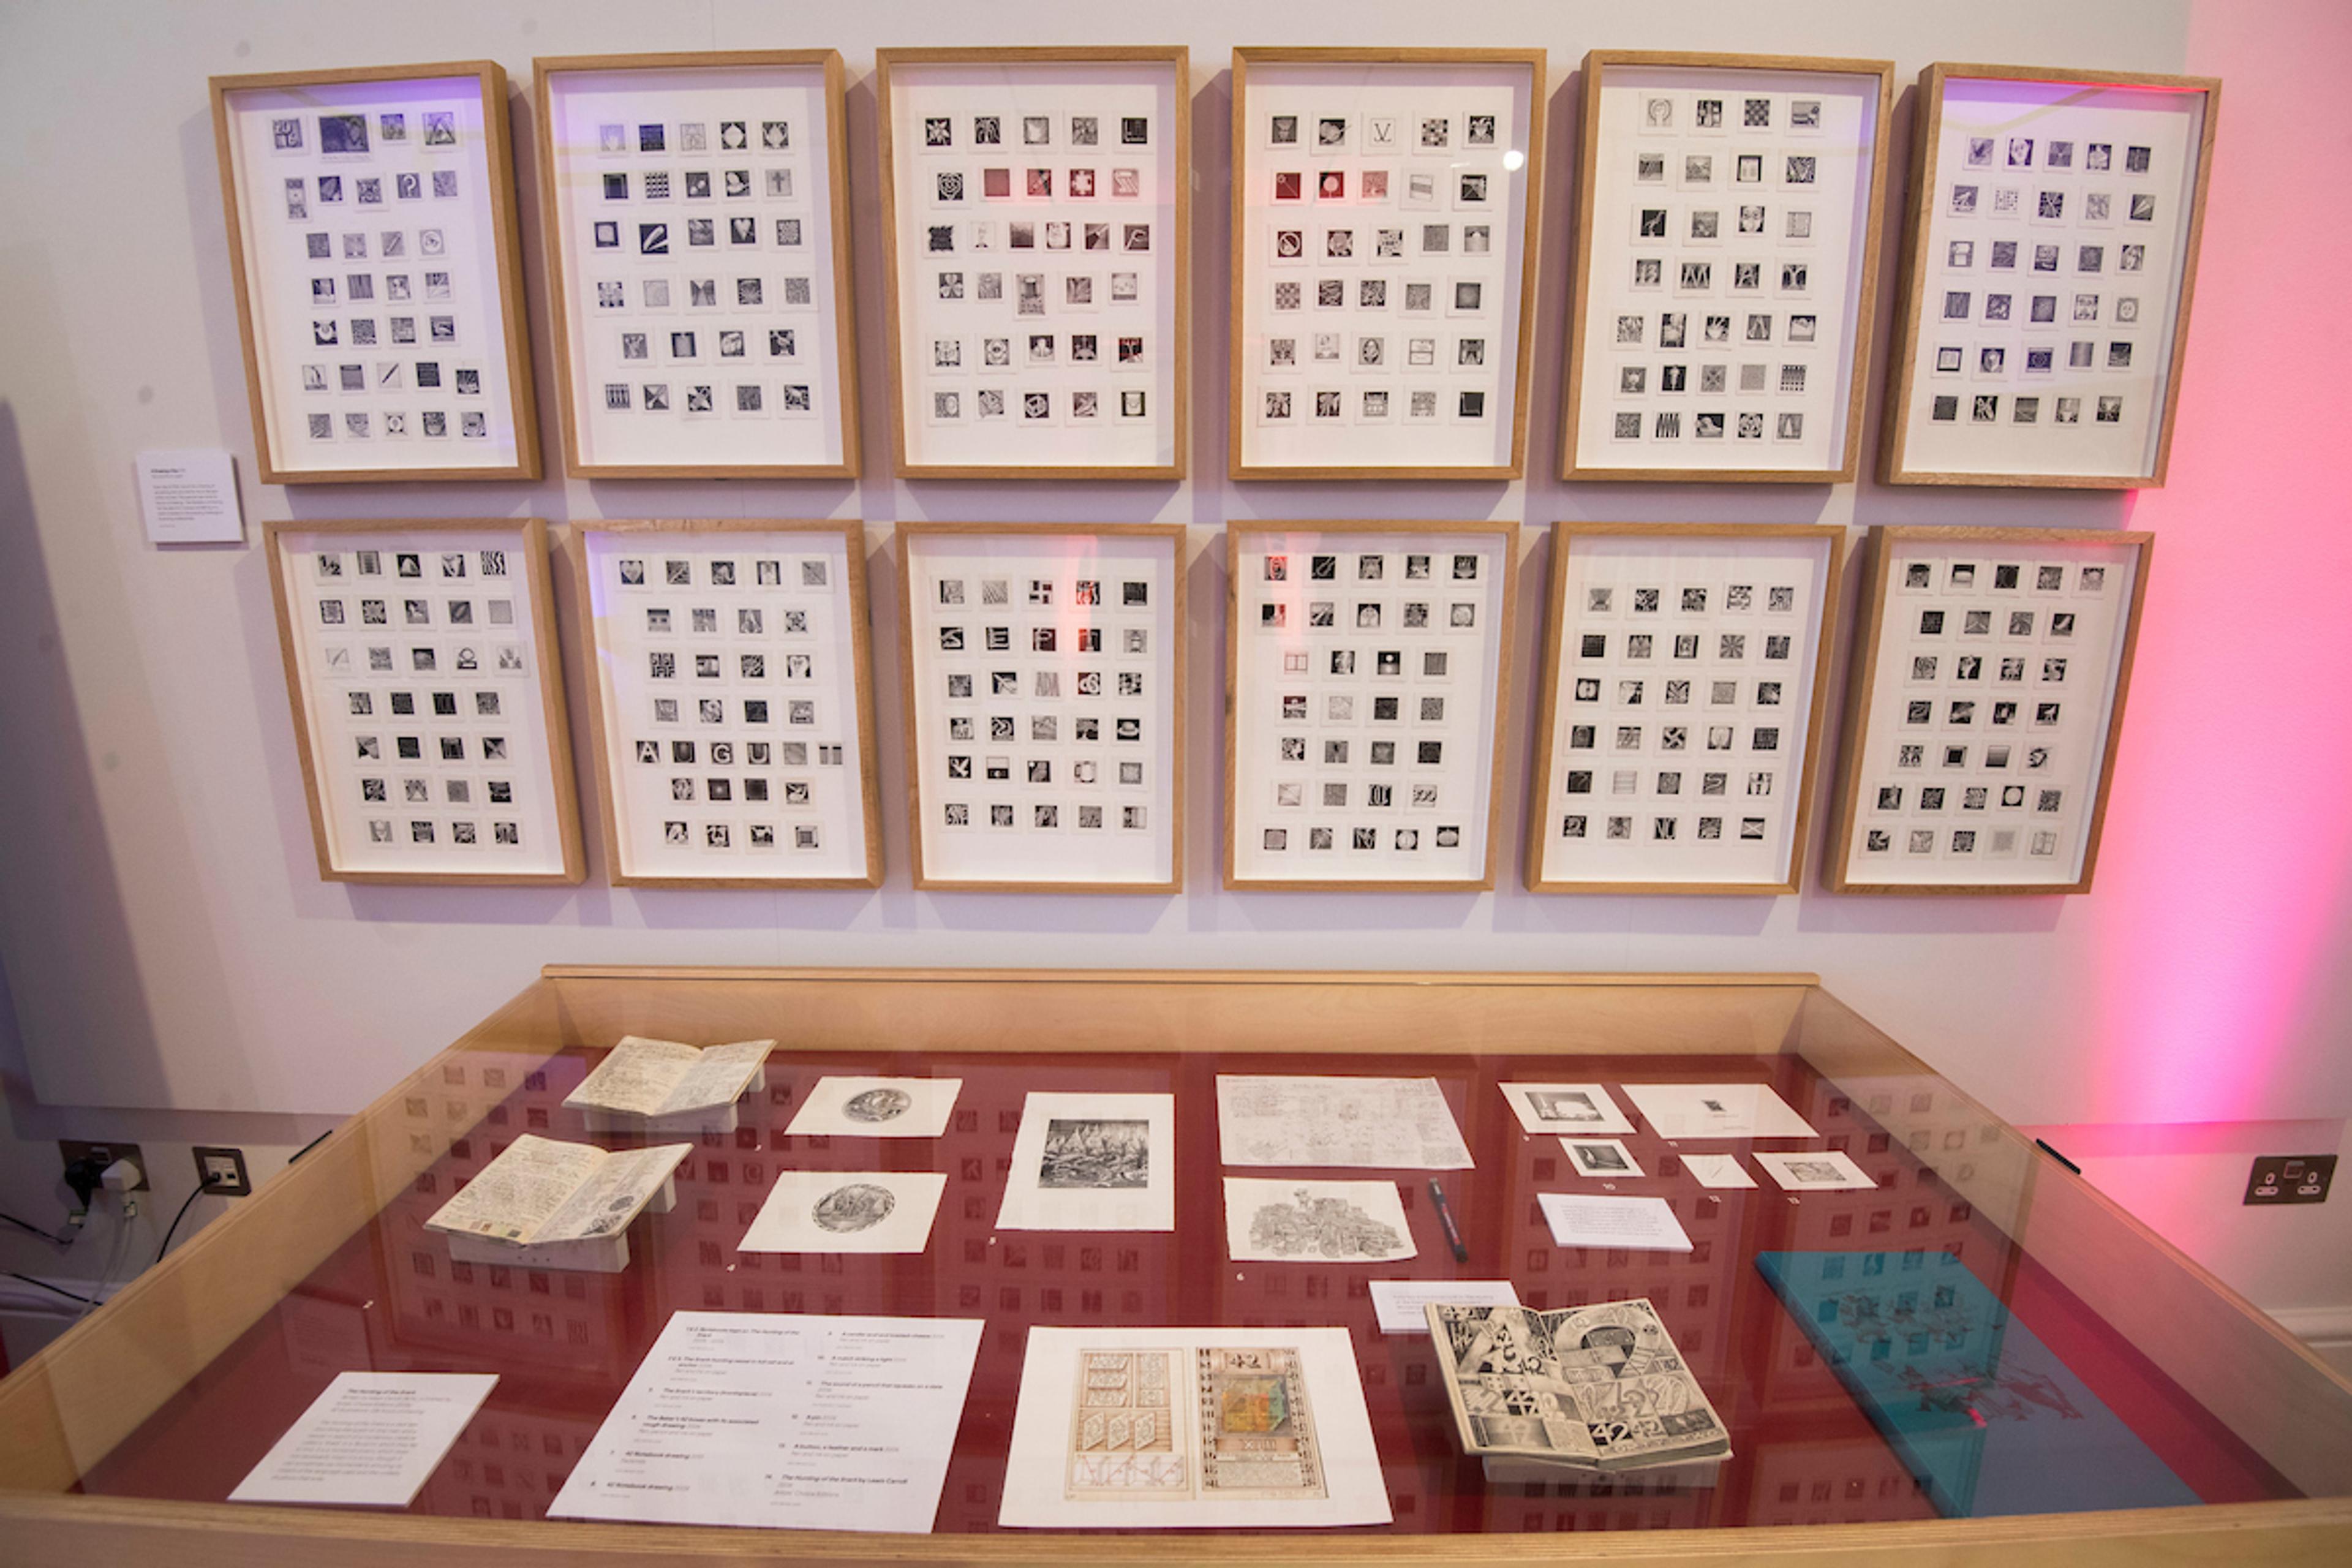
{"type": "Point", "coordinates": [2224, 874]}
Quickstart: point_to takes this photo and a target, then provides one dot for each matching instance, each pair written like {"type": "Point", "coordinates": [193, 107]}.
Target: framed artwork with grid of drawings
{"type": "Point", "coordinates": [1043, 669]}
{"type": "Point", "coordinates": [1369, 671]}
{"type": "Point", "coordinates": [1985, 709]}
{"type": "Point", "coordinates": [1685, 677]}
{"type": "Point", "coordinates": [2049, 261]}
{"type": "Point", "coordinates": [1036, 214]}
{"type": "Point", "coordinates": [697, 213]}
{"type": "Point", "coordinates": [1385, 223]}
{"type": "Point", "coordinates": [1727, 266]}
{"type": "Point", "coordinates": [427, 700]}
{"type": "Point", "coordinates": [379, 273]}
{"type": "Point", "coordinates": [730, 702]}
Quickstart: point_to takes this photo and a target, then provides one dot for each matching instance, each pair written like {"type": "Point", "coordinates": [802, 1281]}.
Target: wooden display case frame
{"type": "Point", "coordinates": [1563, 538]}
{"type": "Point", "coordinates": [1861, 682]}
{"type": "Point", "coordinates": [1530, 249]}
{"type": "Point", "coordinates": [71, 1404]}
{"type": "Point", "coordinates": [1505, 647]}
{"type": "Point", "coordinates": [592, 663]}
{"type": "Point", "coordinates": [532, 536]}
{"type": "Point", "coordinates": [522, 407]}
{"type": "Point", "coordinates": [1178, 58]}
{"type": "Point", "coordinates": [1176, 533]}
{"type": "Point", "coordinates": [844, 311]}
{"type": "Point", "coordinates": [1912, 285]}
{"type": "Point", "coordinates": [1865, 300]}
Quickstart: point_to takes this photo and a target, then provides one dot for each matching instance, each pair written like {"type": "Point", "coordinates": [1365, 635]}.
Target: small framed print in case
{"type": "Point", "coordinates": [1037, 222]}
{"type": "Point", "coordinates": [1045, 701]}
{"type": "Point", "coordinates": [1727, 266]}
{"type": "Point", "coordinates": [1984, 708]}
{"type": "Point", "coordinates": [2049, 263]}
{"type": "Point", "coordinates": [697, 213]}
{"type": "Point", "coordinates": [1685, 676]}
{"type": "Point", "coordinates": [1368, 669]}
{"type": "Point", "coordinates": [428, 697]}
{"type": "Point", "coordinates": [1386, 209]}
{"type": "Point", "coordinates": [732, 702]}
{"type": "Point", "coordinates": [379, 276]}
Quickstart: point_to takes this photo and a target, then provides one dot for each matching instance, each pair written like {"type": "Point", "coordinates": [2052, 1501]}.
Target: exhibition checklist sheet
{"type": "Point", "coordinates": [781, 1422]}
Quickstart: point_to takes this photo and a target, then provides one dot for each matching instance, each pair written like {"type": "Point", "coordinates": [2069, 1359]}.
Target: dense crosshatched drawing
{"type": "Point", "coordinates": [1095, 1151]}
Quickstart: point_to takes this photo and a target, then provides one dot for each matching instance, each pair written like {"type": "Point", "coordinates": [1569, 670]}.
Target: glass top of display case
{"type": "Point", "coordinates": [1978, 1334]}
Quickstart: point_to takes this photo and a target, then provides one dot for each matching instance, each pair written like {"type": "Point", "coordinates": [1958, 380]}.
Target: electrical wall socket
{"type": "Point", "coordinates": [221, 1172]}
{"type": "Point", "coordinates": [101, 1155]}
{"type": "Point", "coordinates": [2291, 1179]}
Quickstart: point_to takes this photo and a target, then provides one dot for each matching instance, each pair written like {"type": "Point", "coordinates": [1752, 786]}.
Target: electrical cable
{"type": "Point", "coordinates": [173, 1227]}
{"type": "Point", "coordinates": [52, 1289]}
{"type": "Point", "coordinates": [114, 1263]}
{"type": "Point", "coordinates": [37, 1230]}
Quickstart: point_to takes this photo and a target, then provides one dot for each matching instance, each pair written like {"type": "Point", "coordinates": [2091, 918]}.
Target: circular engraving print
{"type": "Point", "coordinates": [861, 1205]}
{"type": "Point", "coordinates": [878, 1105]}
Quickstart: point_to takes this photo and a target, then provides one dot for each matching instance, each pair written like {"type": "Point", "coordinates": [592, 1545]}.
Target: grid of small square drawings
{"type": "Point", "coordinates": [424, 704]}
{"type": "Point", "coordinates": [1380, 296]}
{"type": "Point", "coordinates": [1041, 238]}
{"type": "Point", "coordinates": [1048, 723]}
{"type": "Point", "coordinates": [371, 214]}
{"type": "Point", "coordinates": [1366, 670]}
{"type": "Point", "coordinates": [1987, 715]}
{"type": "Point", "coordinates": [1682, 701]}
{"type": "Point", "coordinates": [1718, 319]}
{"type": "Point", "coordinates": [695, 232]}
{"type": "Point", "coordinates": [733, 704]}
{"type": "Point", "coordinates": [2048, 273]}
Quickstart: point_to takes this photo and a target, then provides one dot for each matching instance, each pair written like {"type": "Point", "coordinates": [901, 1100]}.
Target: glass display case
{"type": "Point", "coordinates": [1979, 1359]}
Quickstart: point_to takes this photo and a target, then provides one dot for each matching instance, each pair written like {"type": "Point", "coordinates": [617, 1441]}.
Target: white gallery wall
{"type": "Point", "coordinates": [169, 948]}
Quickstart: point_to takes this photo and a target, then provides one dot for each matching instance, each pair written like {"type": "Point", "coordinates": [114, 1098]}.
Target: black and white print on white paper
{"type": "Point", "coordinates": [727, 669]}
{"type": "Point", "coordinates": [699, 249]}
{"type": "Point", "coordinates": [1363, 729]}
{"type": "Point", "coordinates": [1380, 256]}
{"type": "Point", "coordinates": [1989, 712]}
{"type": "Point", "coordinates": [2054, 241]}
{"type": "Point", "coordinates": [1727, 231]}
{"type": "Point", "coordinates": [1681, 704]}
{"type": "Point", "coordinates": [1038, 263]}
{"type": "Point", "coordinates": [374, 274]}
{"type": "Point", "coordinates": [1043, 672]}
{"type": "Point", "coordinates": [422, 683]}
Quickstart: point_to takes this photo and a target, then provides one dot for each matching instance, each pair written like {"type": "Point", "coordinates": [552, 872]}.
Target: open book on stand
{"type": "Point", "coordinates": [545, 1205]}
{"type": "Point", "coordinates": [661, 1086]}
{"type": "Point", "coordinates": [1600, 1389]}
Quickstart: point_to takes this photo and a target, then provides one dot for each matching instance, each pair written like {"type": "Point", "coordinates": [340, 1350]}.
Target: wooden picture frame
{"type": "Point", "coordinates": [1251, 777]}
{"type": "Point", "coordinates": [1352, 69]}
{"type": "Point", "coordinates": [851, 797]}
{"type": "Point", "coordinates": [932, 704]}
{"type": "Point", "coordinates": [1158, 445]}
{"type": "Point", "coordinates": [1798, 694]}
{"type": "Point", "coordinates": [824, 373]}
{"type": "Point", "coordinates": [541, 775]}
{"type": "Point", "coordinates": [1614, 205]}
{"type": "Point", "coordinates": [1931, 378]}
{"type": "Point", "coordinates": [2052, 785]}
{"type": "Point", "coordinates": [305, 350]}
